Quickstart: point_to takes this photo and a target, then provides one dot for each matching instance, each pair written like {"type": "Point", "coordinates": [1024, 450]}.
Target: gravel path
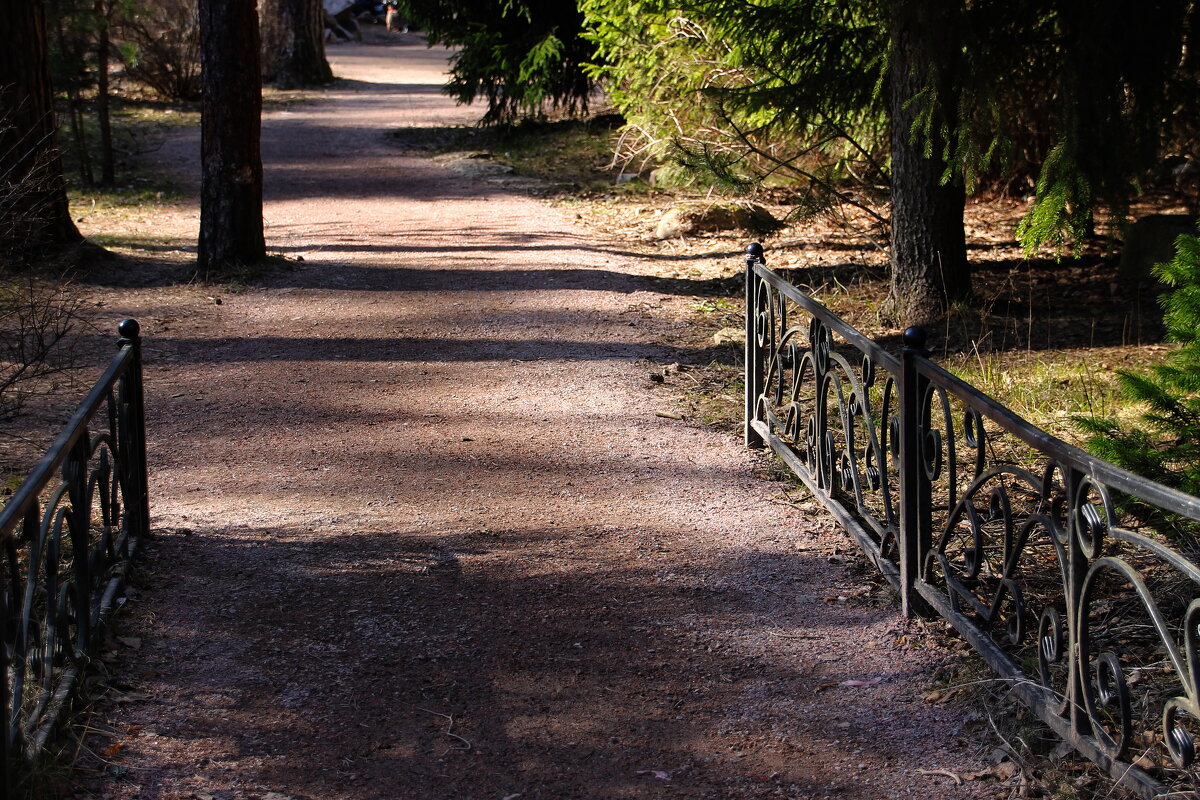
{"type": "Point", "coordinates": [428, 530]}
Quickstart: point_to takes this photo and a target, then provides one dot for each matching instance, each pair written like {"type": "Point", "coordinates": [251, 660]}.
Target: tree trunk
{"type": "Point", "coordinates": [103, 118]}
{"type": "Point", "coordinates": [67, 46]}
{"type": "Point", "coordinates": [33, 196]}
{"type": "Point", "coordinates": [929, 251]}
{"type": "Point", "coordinates": [231, 224]}
{"type": "Point", "coordinates": [293, 47]}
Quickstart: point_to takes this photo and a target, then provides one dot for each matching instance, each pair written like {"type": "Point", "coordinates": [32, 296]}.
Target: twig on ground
{"type": "Point", "coordinates": [1008, 746]}
{"type": "Point", "coordinates": [449, 729]}
{"type": "Point", "coordinates": [945, 772]}
{"type": "Point", "coordinates": [789, 503]}
{"type": "Point", "coordinates": [1132, 763]}
{"type": "Point", "coordinates": [83, 731]}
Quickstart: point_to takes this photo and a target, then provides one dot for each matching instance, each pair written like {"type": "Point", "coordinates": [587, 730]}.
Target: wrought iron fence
{"type": "Point", "coordinates": [68, 534]}
{"type": "Point", "coordinates": [1076, 580]}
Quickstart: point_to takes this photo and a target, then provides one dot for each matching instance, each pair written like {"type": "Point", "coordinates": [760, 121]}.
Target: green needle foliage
{"type": "Point", "coordinates": [1122, 80]}
{"type": "Point", "coordinates": [1084, 97]}
{"type": "Point", "coordinates": [523, 57]}
{"type": "Point", "coordinates": [746, 93]}
{"type": "Point", "coordinates": [1166, 446]}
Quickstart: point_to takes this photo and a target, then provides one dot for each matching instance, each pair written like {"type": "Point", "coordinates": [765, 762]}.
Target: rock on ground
{"type": "Point", "coordinates": [690, 218]}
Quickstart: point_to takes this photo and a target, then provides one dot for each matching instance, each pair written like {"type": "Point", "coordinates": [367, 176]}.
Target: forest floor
{"type": "Point", "coordinates": [438, 513]}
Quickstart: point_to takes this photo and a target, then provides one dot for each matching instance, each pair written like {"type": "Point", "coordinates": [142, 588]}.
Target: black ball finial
{"type": "Point", "coordinates": [129, 329]}
{"type": "Point", "coordinates": [914, 337]}
{"type": "Point", "coordinates": [755, 250]}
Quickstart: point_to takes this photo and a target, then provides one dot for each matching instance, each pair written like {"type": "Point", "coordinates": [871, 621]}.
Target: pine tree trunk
{"type": "Point", "coordinates": [929, 251]}
{"type": "Point", "coordinates": [103, 119]}
{"type": "Point", "coordinates": [293, 52]}
{"type": "Point", "coordinates": [231, 224]}
{"type": "Point", "coordinates": [30, 167]}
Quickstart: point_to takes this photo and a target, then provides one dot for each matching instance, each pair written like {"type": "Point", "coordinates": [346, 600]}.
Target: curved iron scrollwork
{"type": "Point", "coordinates": [1077, 581]}
{"type": "Point", "coordinates": [68, 535]}
{"type": "Point", "coordinates": [1061, 565]}
{"type": "Point", "coordinates": [826, 402]}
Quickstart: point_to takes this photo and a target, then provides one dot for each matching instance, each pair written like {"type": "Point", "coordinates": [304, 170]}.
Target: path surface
{"type": "Point", "coordinates": [423, 534]}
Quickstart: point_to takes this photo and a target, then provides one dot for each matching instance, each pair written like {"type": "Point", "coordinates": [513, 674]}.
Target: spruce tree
{"type": "Point", "coordinates": [1086, 97]}
{"type": "Point", "coordinates": [523, 57]}
{"type": "Point", "coordinates": [1165, 447]}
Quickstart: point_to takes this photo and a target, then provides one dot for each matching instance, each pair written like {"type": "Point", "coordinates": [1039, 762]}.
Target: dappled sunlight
{"type": "Point", "coordinates": [525, 699]}
{"type": "Point", "coordinates": [433, 521]}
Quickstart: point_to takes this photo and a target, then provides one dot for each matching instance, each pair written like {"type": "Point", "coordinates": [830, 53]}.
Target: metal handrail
{"type": "Point", "coordinates": [1110, 474]}
{"type": "Point", "coordinates": [1059, 568]}
{"type": "Point", "coordinates": [65, 549]}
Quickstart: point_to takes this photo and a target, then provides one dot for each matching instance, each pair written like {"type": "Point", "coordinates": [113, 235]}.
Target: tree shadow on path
{"type": "Point", "coordinates": [500, 662]}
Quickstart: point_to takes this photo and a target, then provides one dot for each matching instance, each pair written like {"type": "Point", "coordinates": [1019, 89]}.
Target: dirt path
{"type": "Point", "coordinates": [424, 533]}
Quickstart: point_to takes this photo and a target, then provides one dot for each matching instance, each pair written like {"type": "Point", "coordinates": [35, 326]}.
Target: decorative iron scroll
{"type": "Point", "coordinates": [1076, 580]}
{"type": "Point", "coordinates": [68, 534]}
{"type": "Point", "coordinates": [825, 398]}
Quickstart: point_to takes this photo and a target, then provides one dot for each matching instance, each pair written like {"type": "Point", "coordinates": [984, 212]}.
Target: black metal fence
{"type": "Point", "coordinates": [68, 534]}
{"type": "Point", "coordinates": [1076, 580]}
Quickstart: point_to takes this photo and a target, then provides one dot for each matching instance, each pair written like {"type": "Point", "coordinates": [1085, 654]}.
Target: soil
{"type": "Point", "coordinates": [429, 524]}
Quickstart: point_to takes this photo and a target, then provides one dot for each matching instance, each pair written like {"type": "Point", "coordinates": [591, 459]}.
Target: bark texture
{"type": "Point", "coordinates": [293, 43]}
{"type": "Point", "coordinates": [929, 251]}
{"type": "Point", "coordinates": [33, 197]}
{"type": "Point", "coordinates": [231, 225]}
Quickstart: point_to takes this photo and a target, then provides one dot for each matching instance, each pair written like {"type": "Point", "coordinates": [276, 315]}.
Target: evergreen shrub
{"type": "Point", "coordinates": [1165, 445]}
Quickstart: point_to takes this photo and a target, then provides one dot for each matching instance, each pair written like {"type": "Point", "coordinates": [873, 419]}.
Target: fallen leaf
{"type": "Point", "coordinates": [1063, 750]}
{"type": "Point", "coordinates": [130, 641]}
{"type": "Point", "coordinates": [130, 697]}
{"type": "Point", "coordinates": [1001, 754]}
{"type": "Point", "coordinates": [658, 773]}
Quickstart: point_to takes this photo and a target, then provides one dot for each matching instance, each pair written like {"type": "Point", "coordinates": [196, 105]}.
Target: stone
{"type": "Point", "coordinates": [730, 336]}
{"type": "Point", "coordinates": [690, 218]}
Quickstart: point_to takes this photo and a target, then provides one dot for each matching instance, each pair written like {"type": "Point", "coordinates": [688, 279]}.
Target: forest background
{"type": "Point", "coordinates": [883, 120]}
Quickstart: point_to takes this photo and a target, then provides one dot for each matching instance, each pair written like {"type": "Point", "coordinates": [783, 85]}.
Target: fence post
{"type": "Point", "coordinates": [75, 476]}
{"type": "Point", "coordinates": [916, 517]}
{"type": "Point", "coordinates": [754, 368]}
{"type": "Point", "coordinates": [135, 432]}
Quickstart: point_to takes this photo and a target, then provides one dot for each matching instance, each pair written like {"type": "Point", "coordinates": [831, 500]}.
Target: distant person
{"type": "Point", "coordinates": [395, 22]}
